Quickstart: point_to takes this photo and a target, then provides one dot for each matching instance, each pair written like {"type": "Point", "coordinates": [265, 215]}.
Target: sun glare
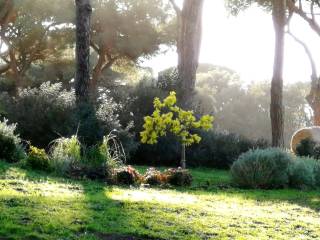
{"type": "Point", "coordinates": [246, 44]}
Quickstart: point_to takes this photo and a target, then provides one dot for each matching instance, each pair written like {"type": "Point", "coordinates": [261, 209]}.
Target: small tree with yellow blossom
{"type": "Point", "coordinates": [168, 117]}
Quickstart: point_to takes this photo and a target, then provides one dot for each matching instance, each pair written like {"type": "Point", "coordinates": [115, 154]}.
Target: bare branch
{"type": "Point", "coordinates": [308, 52]}
{"type": "Point", "coordinates": [298, 10]}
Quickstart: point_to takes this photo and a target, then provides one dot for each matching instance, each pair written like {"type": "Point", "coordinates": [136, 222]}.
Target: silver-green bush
{"type": "Point", "coordinates": [265, 169]}
{"type": "Point", "coordinates": [302, 173]}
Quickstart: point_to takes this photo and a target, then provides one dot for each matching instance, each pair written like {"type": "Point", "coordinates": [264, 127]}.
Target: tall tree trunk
{"type": "Point", "coordinates": [188, 45]}
{"type": "Point", "coordinates": [82, 82]}
{"type": "Point", "coordinates": [276, 107]}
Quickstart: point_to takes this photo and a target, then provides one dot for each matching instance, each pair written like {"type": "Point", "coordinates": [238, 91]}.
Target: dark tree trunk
{"type": "Point", "coordinates": [188, 46]}
{"type": "Point", "coordinates": [276, 108]}
{"type": "Point", "coordinates": [82, 80]}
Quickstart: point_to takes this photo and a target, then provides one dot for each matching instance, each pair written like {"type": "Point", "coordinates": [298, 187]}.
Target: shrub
{"type": "Point", "coordinates": [49, 111]}
{"type": "Point", "coordinates": [43, 113]}
{"type": "Point", "coordinates": [155, 177]}
{"type": "Point", "coordinates": [126, 176]}
{"type": "Point", "coordinates": [10, 143]}
{"type": "Point", "coordinates": [264, 169]}
{"type": "Point", "coordinates": [306, 147]}
{"type": "Point", "coordinates": [179, 177]}
{"type": "Point", "coordinates": [302, 173]}
{"type": "Point", "coordinates": [65, 154]}
{"type": "Point", "coordinates": [220, 150]}
{"type": "Point", "coordinates": [38, 159]}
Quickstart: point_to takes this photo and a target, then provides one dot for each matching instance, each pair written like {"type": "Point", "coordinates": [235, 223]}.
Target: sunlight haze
{"type": "Point", "coordinates": [246, 44]}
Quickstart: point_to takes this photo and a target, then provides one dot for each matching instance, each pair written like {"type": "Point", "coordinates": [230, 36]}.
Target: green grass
{"type": "Point", "coordinates": [37, 206]}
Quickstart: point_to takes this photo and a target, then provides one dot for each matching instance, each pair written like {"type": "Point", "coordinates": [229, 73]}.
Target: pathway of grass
{"type": "Point", "coordinates": [35, 206]}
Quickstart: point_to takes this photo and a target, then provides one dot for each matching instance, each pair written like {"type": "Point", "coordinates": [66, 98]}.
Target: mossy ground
{"type": "Point", "coordinates": [37, 206]}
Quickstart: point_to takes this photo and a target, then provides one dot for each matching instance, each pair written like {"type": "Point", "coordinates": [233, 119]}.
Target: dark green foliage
{"type": "Point", "coordinates": [94, 163]}
{"type": "Point", "coordinates": [220, 150]}
{"type": "Point", "coordinates": [265, 169]}
{"type": "Point", "coordinates": [165, 153]}
{"type": "Point", "coordinates": [302, 173]}
{"type": "Point", "coordinates": [7, 149]}
{"type": "Point", "coordinates": [306, 147]}
{"type": "Point", "coordinates": [48, 112]}
{"type": "Point", "coordinates": [179, 177]}
{"type": "Point", "coordinates": [43, 113]}
{"type": "Point", "coordinates": [38, 159]}
{"type": "Point", "coordinates": [90, 130]}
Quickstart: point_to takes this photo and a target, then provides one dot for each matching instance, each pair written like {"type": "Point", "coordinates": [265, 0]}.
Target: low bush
{"type": "Point", "coordinates": [38, 159]}
{"type": "Point", "coordinates": [126, 175]}
{"type": "Point", "coordinates": [178, 177]}
{"type": "Point", "coordinates": [266, 169]}
{"type": "Point", "coordinates": [302, 173]}
{"type": "Point", "coordinates": [155, 177]}
{"type": "Point", "coordinates": [11, 149]}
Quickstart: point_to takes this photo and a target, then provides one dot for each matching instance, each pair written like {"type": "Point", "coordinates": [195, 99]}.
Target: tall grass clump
{"type": "Point", "coordinates": [65, 154]}
{"type": "Point", "coordinates": [69, 157]}
{"type": "Point", "coordinates": [11, 149]}
{"type": "Point", "coordinates": [100, 161]}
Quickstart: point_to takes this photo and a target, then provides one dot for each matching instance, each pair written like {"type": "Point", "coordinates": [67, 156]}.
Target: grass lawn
{"type": "Point", "coordinates": [37, 206]}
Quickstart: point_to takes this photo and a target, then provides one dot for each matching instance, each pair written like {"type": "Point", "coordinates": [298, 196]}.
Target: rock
{"type": "Point", "coordinates": [312, 133]}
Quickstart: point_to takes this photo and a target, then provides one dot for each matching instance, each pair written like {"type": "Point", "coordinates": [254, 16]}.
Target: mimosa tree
{"type": "Point", "coordinates": [168, 117]}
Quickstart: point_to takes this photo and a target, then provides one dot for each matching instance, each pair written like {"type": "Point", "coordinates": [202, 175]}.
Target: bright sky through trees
{"type": "Point", "coordinates": [246, 44]}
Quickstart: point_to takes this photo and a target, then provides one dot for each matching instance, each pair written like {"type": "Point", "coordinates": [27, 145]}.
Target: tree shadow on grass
{"type": "Point", "coordinates": [68, 209]}
{"type": "Point", "coordinates": [35, 205]}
